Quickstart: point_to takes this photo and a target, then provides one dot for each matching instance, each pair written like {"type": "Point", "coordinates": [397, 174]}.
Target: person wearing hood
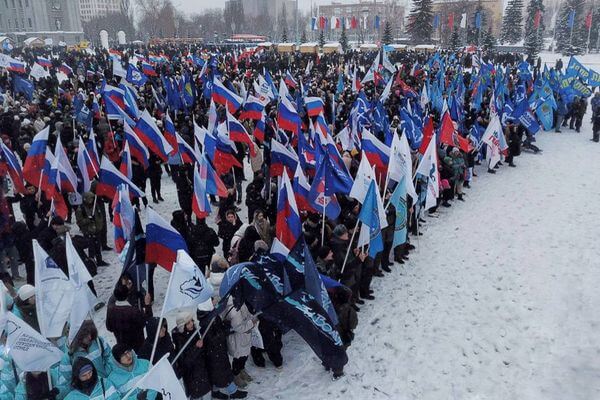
{"type": "Point", "coordinates": [91, 222]}
{"type": "Point", "coordinates": [87, 384]}
{"type": "Point", "coordinates": [126, 321]}
{"type": "Point", "coordinates": [254, 198]}
{"type": "Point", "coordinates": [24, 306]}
{"type": "Point", "coordinates": [239, 341]}
{"type": "Point", "coordinates": [34, 386]}
{"type": "Point", "coordinates": [217, 359]}
{"type": "Point", "coordinates": [164, 344]}
{"type": "Point", "coordinates": [127, 369]}
{"type": "Point", "coordinates": [204, 240]}
{"type": "Point", "coordinates": [227, 228]}
{"type": "Point", "coordinates": [192, 361]}
{"type": "Point", "coordinates": [218, 267]}
{"type": "Point", "coordinates": [9, 376]}
{"type": "Point", "coordinates": [88, 344]}
{"type": "Point", "coordinates": [49, 233]}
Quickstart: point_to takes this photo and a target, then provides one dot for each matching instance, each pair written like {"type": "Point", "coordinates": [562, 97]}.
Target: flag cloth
{"type": "Point", "coordinates": [401, 165]}
{"type": "Point", "coordinates": [53, 294]}
{"type": "Point", "coordinates": [372, 216]}
{"type": "Point", "coordinates": [162, 379]}
{"type": "Point", "coordinates": [398, 200]}
{"type": "Point", "coordinates": [492, 137]}
{"type": "Point", "coordinates": [149, 133]}
{"type": "Point", "coordinates": [362, 180]}
{"type": "Point", "coordinates": [187, 285]}
{"type": "Point", "coordinates": [83, 298]}
{"type": "Point", "coordinates": [137, 148]}
{"type": "Point", "coordinates": [123, 217]}
{"type": "Point", "coordinates": [428, 167]}
{"type": "Point", "coordinates": [109, 180]}
{"type": "Point", "coordinates": [36, 157]}
{"type": "Point", "coordinates": [162, 241]}
{"type": "Point", "coordinates": [449, 135]}
{"type": "Point", "coordinates": [288, 226]}
{"type": "Point", "coordinates": [28, 349]}
{"type": "Point", "coordinates": [200, 204]}
{"type": "Point", "coordinates": [135, 257]}
{"type": "Point", "coordinates": [14, 169]}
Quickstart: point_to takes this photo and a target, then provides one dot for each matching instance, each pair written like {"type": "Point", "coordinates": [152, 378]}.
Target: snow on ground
{"type": "Point", "coordinates": [498, 302]}
{"type": "Point", "coordinates": [589, 60]}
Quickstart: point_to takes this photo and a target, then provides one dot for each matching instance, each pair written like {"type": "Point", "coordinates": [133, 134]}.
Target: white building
{"type": "Point", "coordinates": [98, 8]}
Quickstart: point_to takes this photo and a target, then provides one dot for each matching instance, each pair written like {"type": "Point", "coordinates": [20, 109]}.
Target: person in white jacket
{"type": "Point", "coordinates": [239, 341]}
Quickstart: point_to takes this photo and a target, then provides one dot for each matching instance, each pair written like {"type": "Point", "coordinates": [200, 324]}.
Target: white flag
{"type": "Point", "coordinates": [212, 117]}
{"type": "Point", "coordinates": [83, 299]}
{"type": "Point", "coordinates": [492, 137]}
{"type": "Point", "coordinates": [364, 176]}
{"type": "Point", "coordinates": [29, 350]}
{"type": "Point", "coordinates": [387, 90]}
{"type": "Point", "coordinates": [38, 72]}
{"type": "Point", "coordinates": [53, 294]}
{"type": "Point", "coordinates": [386, 62]}
{"type": "Point", "coordinates": [187, 285]}
{"type": "Point", "coordinates": [401, 165]}
{"type": "Point", "coordinates": [118, 69]}
{"type": "Point", "coordinates": [429, 167]}
{"type": "Point", "coordinates": [162, 379]}
{"type": "Point", "coordinates": [463, 20]}
{"type": "Point", "coordinates": [424, 97]}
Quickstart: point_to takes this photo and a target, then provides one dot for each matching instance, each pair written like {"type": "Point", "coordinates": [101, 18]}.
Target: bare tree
{"type": "Point", "coordinates": [157, 18]}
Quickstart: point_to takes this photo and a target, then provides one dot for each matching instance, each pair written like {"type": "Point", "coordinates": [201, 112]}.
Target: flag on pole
{"type": "Point", "coordinates": [28, 349]}
{"type": "Point", "coordinates": [53, 294]}
{"type": "Point", "coordinates": [571, 19]}
{"type": "Point", "coordinates": [162, 379]}
{"type": "Point", "coordinates": [187, 285]}
{"type": "Point", "coordinates": [162, 241]}
{"type": "Point", "coordinates": [372, 216]}
{"type": "Point", "coordinates": [398, 200]}
{"type": "Point", "coordinates": [288, 226]}
{"type": "Point", "coordinates": [428, 167]}
{"type": "Point", "coordinates": [362, 181]}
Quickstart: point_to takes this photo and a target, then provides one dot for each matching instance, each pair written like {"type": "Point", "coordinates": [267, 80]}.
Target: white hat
{"type": "Point", "coordinates": [26, 292]}
{"type": "Point", "coordinates": [206, 306]}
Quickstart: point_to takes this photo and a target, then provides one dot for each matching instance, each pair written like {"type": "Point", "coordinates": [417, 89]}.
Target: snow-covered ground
{"type": "Point", "coordinates": [500, 300]}
{"type": "Point", "coordinates": [589, 60]}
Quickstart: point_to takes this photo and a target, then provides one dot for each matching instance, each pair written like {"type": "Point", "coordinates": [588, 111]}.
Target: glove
{"type": "Point", "coordinates": [53, 393]}
{"type": "Point", "coordinates": [142, 395]}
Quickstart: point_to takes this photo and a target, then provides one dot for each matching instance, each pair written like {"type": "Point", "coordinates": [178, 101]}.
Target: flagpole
{"type": "Point", "coordinates": [572, 26]}
{"type": "Point", "coordinates": [162, 312]}
{"type": "Point", "coordinates": [590, 28]}
{"type": "Point", "coordinates": [348, 249]}
{"type": "Point", "coordinates": [323, 227]}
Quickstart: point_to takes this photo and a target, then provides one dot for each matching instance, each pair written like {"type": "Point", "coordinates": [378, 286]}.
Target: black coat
{"type": "Point", "coordinates": [203, 241]}
{"type": "Point", "coordinates": [215, 345]}
{"type": "Point", "coordinates": [192, 365]}
{"type": "Point", "coordinates": [163, 346]}
{"type": "Point", "coordinates": [127, 323]}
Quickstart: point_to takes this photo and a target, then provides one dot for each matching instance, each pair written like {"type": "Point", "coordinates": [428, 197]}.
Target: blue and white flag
{"type": "Point", "coordinates": [398, 200]}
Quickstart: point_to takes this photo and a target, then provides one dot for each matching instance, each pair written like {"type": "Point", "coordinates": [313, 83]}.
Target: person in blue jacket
{"type": "Point", "coordinates": [86, 383]}
{"type": "Point", "coordinates": [34, 386]}
{"type": "Point", "coordinates": [88, 344]}
{"type": "Point", "coordinates": [9, 376]}
{"type": "Point", "coordinates": [127, 369]}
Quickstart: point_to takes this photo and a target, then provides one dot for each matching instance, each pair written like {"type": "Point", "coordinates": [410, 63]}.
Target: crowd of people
{"type": "Point", "coordinates": [243, 224]}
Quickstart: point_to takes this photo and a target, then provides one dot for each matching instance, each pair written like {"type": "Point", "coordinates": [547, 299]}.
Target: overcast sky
{"type": "Point", "coordinates": [199, 5]}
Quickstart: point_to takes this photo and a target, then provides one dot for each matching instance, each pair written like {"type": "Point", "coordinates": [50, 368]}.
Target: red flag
{"type": "Point", "coordinates": [450, 136]}
{"type": "Point", "coordinates": [354, 23]}
{"type": "Point", "coordinates": [537, 19]}
{"type": "Point", "coordinates": [451, 21]}
{"type": "Point", "coordinates": [588, 20]}
{"type": "Point", "coordinates": [427, 135]}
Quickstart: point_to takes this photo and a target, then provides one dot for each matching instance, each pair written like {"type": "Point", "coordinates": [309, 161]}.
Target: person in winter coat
{"type": "Point", "coordinates": [561, 112]}
{"type": "Point", "coordinates": [458, 171]}
{"type": "Point", "coordinates": [218, 267]}
{"type": "Point", "coordinates": [217, 359]}
{"type": "Point", "coordinates": [87, 384]}
{"type": "Point", "coordinates": [91, 222]}
{"type": "Point", "coordinates": [29, 206]}
{"type": "Point", "coordinates": [192, 361]}
{"type": "Point", "coordinates": [596, 121]}
{"type": "Point", "coordinates": [271, 337]}
{"type": "Point", "coordinates": [227, 228]}
{"type": "Point", "coordinates": [578, 110]}
{"type": "Point", "coordinates": [49, 233]}
{"type": "Point", "coordinates": [164, 344]}
{"type": "Point", "coordinates": [155, 173]}
{"type": "Point", "coordinates": [125, 321]}
{"type": "Point", "coordinates": [88, 344]}
{"type": "Point", "coordinates": [34, 386]}
{"type": "Point", "coordinates": [352, 271]}
{"type": "Point", "coordinates": [126, 369]}
{"type": "Point", "coordinates": [24, 306]}
{"type": "Point", "coordinates": [9, 376]}
{"type": "Point", "coordinates": [254, 199]}
{"type": "Point", "coordinates": [347, 317]}
{"type": "Point", "coordinates": [239, 341]}
{"type": "Point", "coordinates": [203, 242]}
{"type": "Point", "coordinates": [513, 138]}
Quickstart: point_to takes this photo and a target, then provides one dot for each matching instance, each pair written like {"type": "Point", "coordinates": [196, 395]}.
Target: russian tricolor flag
{"type": "Point", "coordinates": [65, 69]}
{"type": "Point", "coordinates": [287, 117]}
{"type": "Point", "coordinates": [14, 169]}
{"type": "Point", "coordinates": [290, 81]}
{"type": "Point", "coordinates": [301, 190]}
{"type": "Point", "coordinates": [237, 133]}
{"type": "Point", "coordinates": [36, 157]}
{"type": "Point", "coordinates": [92, 151]}
{"type": "Point", "coordinates": [282, 159]}
{"type": "Point", "coordinates": [137, 148]}
{"type": "Point", "coordinates": [123, 217]}
{"type": "Point", "coordinates": [224, 96]}
{"type": "Point", "coordinates": [110, 179]}
{"type": "Point", "coordinates": [314, 106]}
{"type": "Point", "coordinates": [253, 108]}
{"type": "Point", "coordinates": [16, 66]}
{"type": "Point", "coordinates": [49, 175]}
{"type": "Point", "coordinates": [162, 241]}
{"type": "Point", "coordinates": [200, 202]}
{"type": "Point", "coordinates": [259, 129]}
{"type": "Point", "coordinates": [288, 226]}
{"type": "Point", "coordinates": [148, 69]}
{"type": "Point", "coordinates": [117, 95]}
{"type": "Point", "coordinates": [85, 167]}
{"type": "Point", "coordinates": [224, 158]}
{"type": "Point", "coordinates": [44, 62]}
{"type": "Point", "coordinates": [214, 184]}
{"type": "Point", "coordinates": [187, 154]}
{"type": "Point", "coordinates": [113, 111]}
{"type": "Point", "coordinates": [170, 134]}
{"type": "Point", "coordinates": [377, 153]}
{"type": "Point", "coordinates": [125, 167]}
{"type": "Point", "coordinates": [149, 133]}
{"type": "Point", "coordinates": [66, 178]}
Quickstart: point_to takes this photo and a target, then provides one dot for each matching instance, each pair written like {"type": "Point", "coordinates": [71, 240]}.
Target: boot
{"type": "Point", "coordinates": [491, 171]}
{"type": "Point", "coordinates": [466, 184]}
{"type": "Point", "coordinates": [239, 381]}
{"type": "Point", "coordinates": [446, 204]}
{"type": "Point", "coordinates": [386, 268]}
{"type": "Point", "coordinates": [245, 376]}
{"type": "Point", "coordinates": [239, 394]}
{"type": "Point", "coordinates": [460, 197]}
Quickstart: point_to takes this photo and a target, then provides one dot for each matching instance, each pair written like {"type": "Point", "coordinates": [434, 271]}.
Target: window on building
{"type": "Point", "coordinates": [26, 3]}
{"type": "Point", "coordinates": [20, 3]}
{"type": "Point", "coordinates": [13, 3]}
{"type": "Point", "coordinates": [30, 24]}
{"type": "Point", "coordinates": [6, 3]}
{"type": "Point", "coordinates": [9, 24]}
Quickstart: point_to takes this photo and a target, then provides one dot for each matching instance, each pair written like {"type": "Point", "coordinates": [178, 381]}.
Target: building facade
{"type": "Point", "coordinates": [21, 16]}
{"type": "Point", "coordinates": [97, 8]}
{"type": "Point", "coordinates": [271, 8]}
{"type": "Point", "coordinates": [367, 13]}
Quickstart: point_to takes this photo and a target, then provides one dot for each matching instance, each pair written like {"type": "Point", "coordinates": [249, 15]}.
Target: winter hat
{"type": "Point", "coordinates": [183, 318]}
{"type": "Point", "coordinates": [340, 230]}
{"type": "Point", "coordinates": [26, 292]}
{"type": "Point", "coordinates": [85, 369]}
{"type": "Point", "coordinates": [119, 349]}
{"type": "Point", "coordinates": [206, 306]}
{"type": "Point", "coordinates": [323, 252]}
{"type": "Point", "coordinates": [261, 245]}
{"type": "Point", "coordinates": [218, 264]}
{"type": "Point", "coordinates": [120, 292]}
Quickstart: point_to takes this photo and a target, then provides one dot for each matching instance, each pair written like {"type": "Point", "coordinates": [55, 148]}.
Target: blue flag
{"type": "Point", "coordinates": [398, 200]}
{"type": "Point", "coordinates": [546, 115]}
{"type": "Point", "coordinates": [571, 19]}
{"type": "Point", "coordinates": [135, 76]}
{"type": "Point", "coordinates": [369, 216]}
{"type": "Point", "coordinates": [25, 86]}
{"type": "Point", "coordinates": [594, 78]}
